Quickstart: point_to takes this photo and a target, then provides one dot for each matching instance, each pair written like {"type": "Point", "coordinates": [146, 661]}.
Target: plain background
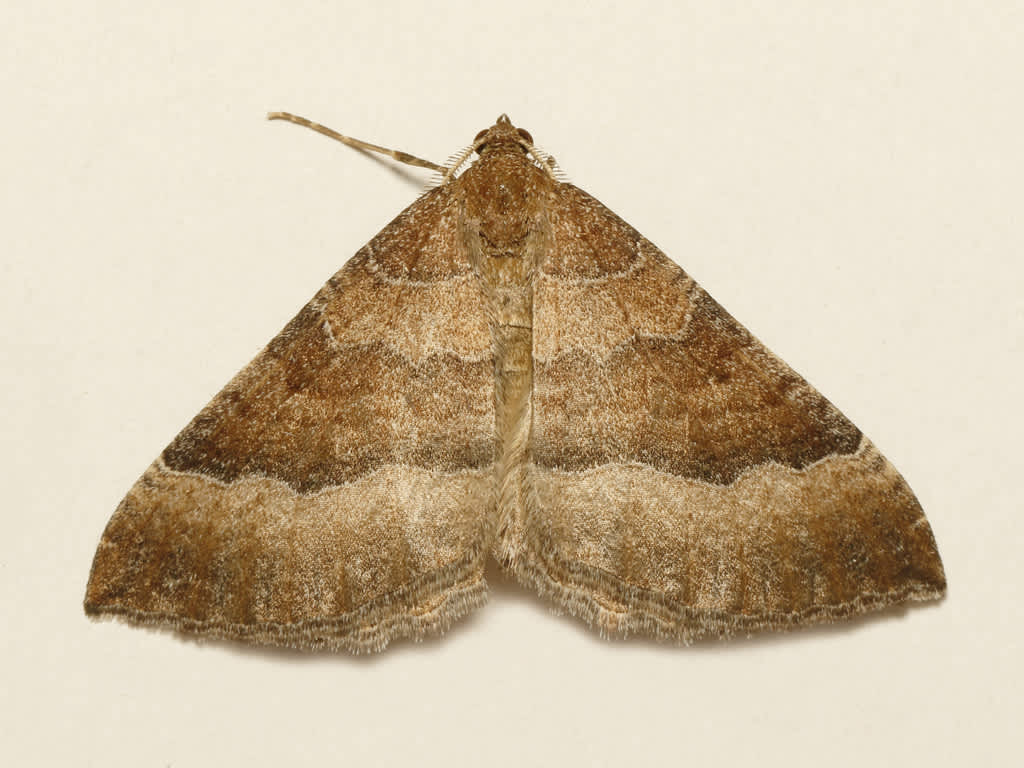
{"type": "Point", "coordinates": [844, 177]}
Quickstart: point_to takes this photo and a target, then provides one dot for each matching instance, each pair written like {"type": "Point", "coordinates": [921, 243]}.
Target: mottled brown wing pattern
{"type": "Point", "coordinates": [335, 493]}
{"type": "Point", "coordinates": [694, 483]}
{"type": "Point", "coordinates": [510, 369]}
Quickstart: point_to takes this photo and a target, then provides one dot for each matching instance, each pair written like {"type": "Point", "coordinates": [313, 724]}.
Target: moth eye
{"type": "Point", "coordinates": [525, 135]}
{"type": "Point", "coordinates": [479, 136]}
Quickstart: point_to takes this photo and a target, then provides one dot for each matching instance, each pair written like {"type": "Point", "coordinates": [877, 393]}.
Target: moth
{"type": "Point", "coordinates": [510, 371]}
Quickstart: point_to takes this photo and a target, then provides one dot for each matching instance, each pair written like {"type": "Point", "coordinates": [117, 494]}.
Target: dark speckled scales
{"type": "Point", "coordinates": [509, 369]}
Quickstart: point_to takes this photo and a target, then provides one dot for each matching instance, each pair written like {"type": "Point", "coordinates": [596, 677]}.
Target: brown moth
{"type": "Point", "coordinates": [510, 370]}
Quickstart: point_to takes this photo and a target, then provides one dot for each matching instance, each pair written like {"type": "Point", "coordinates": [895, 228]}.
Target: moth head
{"type": "Point", "coordinates": [504, 135]}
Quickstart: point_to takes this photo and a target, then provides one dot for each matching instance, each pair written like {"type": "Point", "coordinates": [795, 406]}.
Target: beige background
{"type": "Point", "coordinates": [844, 177]}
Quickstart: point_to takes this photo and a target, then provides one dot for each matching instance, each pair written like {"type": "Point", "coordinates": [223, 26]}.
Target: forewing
{"type": "Point", "coordinates": [334, 494]}
{"type": "Point", "coordinates": [684, 479]}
